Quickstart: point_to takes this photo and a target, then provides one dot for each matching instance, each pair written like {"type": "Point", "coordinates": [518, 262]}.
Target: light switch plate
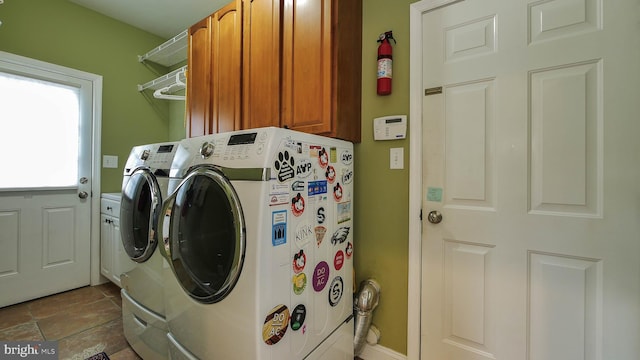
{"type": "Point", "coordinates": [396, 158]}
{"type": "Point", "coordinates": [109, 161]}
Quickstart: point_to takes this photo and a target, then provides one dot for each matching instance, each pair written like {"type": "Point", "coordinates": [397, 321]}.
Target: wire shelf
{"type": "Point", "coordinates": [168, 80]}
{"type": "Point", "coordinates": [170, 52]}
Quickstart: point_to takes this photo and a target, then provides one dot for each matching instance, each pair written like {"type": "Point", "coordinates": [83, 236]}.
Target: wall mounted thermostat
{"type": "Point", "coordinates": [392, 127]}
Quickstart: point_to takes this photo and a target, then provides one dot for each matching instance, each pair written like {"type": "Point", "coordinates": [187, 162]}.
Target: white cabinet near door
{"type": "Point", "coordinates": [113, 259]}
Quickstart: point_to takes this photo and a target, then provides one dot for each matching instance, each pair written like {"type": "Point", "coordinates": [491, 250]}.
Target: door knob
{"type": "Point", "coordinates": [83, 194]}
{"type": "Point", "coordinates": [434, 217]}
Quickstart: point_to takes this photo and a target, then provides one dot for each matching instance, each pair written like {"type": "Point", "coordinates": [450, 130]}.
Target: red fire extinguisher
{"type": "Point", "coordinates": [385, 60]}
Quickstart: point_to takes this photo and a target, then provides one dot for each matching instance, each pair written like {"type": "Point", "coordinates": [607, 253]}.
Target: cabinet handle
{"type": "Point", "coordinates": [109, 208]}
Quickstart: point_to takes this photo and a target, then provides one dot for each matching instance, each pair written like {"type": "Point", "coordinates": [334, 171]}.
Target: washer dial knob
{"type": "Point", "coordinates": [206, 150]}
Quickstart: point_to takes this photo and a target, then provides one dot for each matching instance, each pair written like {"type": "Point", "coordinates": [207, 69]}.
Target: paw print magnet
{"type": "Point", "coordinates": [284, 165]}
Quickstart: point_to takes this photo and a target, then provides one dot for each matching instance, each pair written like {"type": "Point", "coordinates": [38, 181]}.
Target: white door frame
{"type": "Point", "coordinates": [415, 174]}
{"type": "Point", "coordinates": [96, 146]}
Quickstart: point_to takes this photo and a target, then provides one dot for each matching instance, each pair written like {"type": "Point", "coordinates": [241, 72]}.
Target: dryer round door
{"type": "Point", "coordinates": [141, 204]}
{"type": "Point", "coordinates": [206, 238]}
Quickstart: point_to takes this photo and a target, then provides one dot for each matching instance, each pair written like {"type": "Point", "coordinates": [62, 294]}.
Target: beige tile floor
{"type": "Point", "coordinates": [84, 321]}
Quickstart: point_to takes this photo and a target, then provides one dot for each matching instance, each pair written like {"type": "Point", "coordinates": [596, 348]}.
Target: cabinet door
{"type": "Point", "coordinates": [321, 62]}
{"type": "Point", "coordinates": [226, 67]}
{"type": "Point", "coordinates": [199, 79]}
{"type": "Point", "coordinates": [307, 65]}
{"type": "Point", "coordinates": [261, 63]}
{"type": "Point", "coordinates": [346, 95]}
{"type": "Point", "coordinates": [106, 246]}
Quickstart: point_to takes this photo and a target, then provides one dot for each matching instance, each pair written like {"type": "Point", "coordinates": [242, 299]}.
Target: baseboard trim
{"type": "Point", "coordinates": [377, 352]}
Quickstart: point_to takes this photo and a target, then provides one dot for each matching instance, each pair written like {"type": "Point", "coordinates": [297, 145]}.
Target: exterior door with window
{"type": "Point", "coordinates": [45, 189]}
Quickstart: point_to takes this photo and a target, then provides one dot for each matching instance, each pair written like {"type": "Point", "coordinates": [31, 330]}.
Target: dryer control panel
{"type": "Point", "coordinates": [154, 156]}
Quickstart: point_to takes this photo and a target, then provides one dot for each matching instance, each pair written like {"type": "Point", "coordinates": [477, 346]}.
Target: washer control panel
{"type": "Point", "coordinates": [234, 147]}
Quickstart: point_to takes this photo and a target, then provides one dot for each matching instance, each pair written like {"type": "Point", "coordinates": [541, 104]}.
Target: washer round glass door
{"type": "Point", "coordinates": [207, 235]}
{"type": "Point", "coordinates": [139, 209]}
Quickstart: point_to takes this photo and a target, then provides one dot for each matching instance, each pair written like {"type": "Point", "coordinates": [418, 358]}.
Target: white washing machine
{"type": "Point", "coordinates": [144, 187]}
{"type": "Point", "coordinates": [258, 236]}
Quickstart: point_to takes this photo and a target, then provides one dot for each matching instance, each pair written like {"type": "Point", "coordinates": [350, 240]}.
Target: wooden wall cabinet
{"type": "Point", "coordinates": [261, 63]}
{"type": "Point", "coordinates": [214, 72]}
{"type": "Point", "coordinates": [300, 68]}
{"type": "Point", "coordinates": [199, 79]}
{"type": "Point", "coordinates": [322, 67]}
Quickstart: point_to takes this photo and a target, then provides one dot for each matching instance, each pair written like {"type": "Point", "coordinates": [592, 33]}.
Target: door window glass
{"type": "Point", "coordinates": [38, 120]}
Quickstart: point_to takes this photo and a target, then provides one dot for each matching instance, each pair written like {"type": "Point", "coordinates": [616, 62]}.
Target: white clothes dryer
{"type": "Point", "coordinates": [257, 233]}
{"type": "Point", "coordinates": [144, 186]}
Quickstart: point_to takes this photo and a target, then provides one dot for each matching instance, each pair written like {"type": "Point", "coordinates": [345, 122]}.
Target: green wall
{"type": "Point", "coordinates": [63, 33]}
{"type": "Point", "coordinates": [382, 195]}
{"type": "Point", "coordinates": [177, 113]}
{"type": "Point", "coordinates": [60, 32]}
{"type": "Point", "coordinates": [177, 129]}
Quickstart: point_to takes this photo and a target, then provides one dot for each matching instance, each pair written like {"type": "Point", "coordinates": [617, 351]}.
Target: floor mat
{"type": "Point", "coordinates": [100, 356]}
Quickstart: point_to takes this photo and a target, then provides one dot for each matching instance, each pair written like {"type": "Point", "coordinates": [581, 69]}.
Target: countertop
{"type": "Point", "coordinates": [111, 196]}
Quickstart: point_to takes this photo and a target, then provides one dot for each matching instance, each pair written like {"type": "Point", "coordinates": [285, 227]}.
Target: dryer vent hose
{"type": "Point", "coordinates": [366, 301]}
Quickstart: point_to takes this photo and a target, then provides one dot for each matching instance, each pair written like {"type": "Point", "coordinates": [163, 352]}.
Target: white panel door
{"type": "Point", "coordinates": [46, 114]}
{"type": "Point", "coordinates": [530, 155]}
